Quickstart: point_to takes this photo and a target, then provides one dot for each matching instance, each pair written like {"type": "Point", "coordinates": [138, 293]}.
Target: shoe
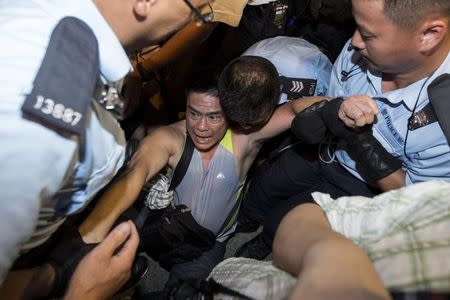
{"type": "Point", "coordinates": [256, 248]}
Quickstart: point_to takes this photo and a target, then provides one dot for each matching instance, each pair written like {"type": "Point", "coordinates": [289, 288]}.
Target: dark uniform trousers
{"type": "Point", "coordinates": [280, 185]}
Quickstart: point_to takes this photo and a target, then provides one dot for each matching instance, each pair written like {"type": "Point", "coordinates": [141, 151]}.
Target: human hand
{"type": "Point", "coordinates": [358, 111]}
{"type": "Point", "coordinates": [107, 267]}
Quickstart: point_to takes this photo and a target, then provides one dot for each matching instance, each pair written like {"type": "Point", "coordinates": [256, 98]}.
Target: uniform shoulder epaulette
{"type": "Point", "coordinates": [64, 85]}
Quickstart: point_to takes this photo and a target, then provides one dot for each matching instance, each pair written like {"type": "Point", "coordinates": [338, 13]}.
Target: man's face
{"type": "Point", "coordinates": [169, 16]}
{"type": "Point", "coordinates": [205, 121]}
{"type": "Point", "coordinates": [385, 46]}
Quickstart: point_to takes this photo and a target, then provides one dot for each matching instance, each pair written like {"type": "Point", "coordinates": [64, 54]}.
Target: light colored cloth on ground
{"type": "Point", "coordinates": [253, 278]}
{"type": "Point", "coordinates": [405, 232]}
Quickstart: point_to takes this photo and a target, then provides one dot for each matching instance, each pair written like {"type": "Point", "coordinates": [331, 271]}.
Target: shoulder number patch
{"type": "Point", "coordinates": [64, 85]}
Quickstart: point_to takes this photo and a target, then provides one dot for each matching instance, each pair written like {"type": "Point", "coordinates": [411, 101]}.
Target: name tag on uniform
{"type": "Point", "coordinates": [65, 82]}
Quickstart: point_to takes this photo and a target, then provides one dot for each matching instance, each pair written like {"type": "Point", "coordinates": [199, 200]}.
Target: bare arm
{"type": "Point", "coordinates": [153, 154]}
{"type": "Point", "coordinates": [328, 265]}
{"type": "Point", "coordinates": [394, 181]}
{"type": "Point", "coordinates": [185, 40]}
{"type": "Point", "coordinates": [282, 118]}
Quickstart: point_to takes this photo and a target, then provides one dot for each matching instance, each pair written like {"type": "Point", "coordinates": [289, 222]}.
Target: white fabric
{"type": "Point", "coordinates": [253, 278]}
{"type": "Point", "coordinates": [259, 2]}
{"type": "Point", "coordinates": [405, 232]}
{"type": "Point", "coordinates": [159, 195]}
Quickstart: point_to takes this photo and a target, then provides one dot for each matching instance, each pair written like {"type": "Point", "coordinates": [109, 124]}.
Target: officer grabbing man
{"type": "Point", "coordinates": [60, 144]}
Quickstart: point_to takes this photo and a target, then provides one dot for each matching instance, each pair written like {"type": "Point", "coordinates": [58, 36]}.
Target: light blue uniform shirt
{"type": "Point", "coordinates": [427, 151]}
{"type": "Point", "coordinates": [39, 166]}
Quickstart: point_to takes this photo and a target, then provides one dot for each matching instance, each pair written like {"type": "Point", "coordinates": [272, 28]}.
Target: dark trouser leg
{"type": "Point", "coordinates": [281, 185]}
{"type": "Point", "coordinates": [196, 269]}
{"type": "Point", "coordinates": [334, 180]}
{"type": "Point", "coordinates": [270, 192]}
{"type": "Point", "coordinates": [199, 268]}
{"type": "Point", "coordinates": [275, 181]}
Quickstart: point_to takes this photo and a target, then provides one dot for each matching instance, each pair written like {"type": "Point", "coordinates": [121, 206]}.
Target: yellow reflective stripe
{"type": "Point", "coordinates": [236, 211]}
{"type": "Point", "coordinates": [226, 141]}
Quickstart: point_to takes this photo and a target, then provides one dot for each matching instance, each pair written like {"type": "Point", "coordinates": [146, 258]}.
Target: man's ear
{"type": "Point", "coordinates": [141, 8]}
{"type": "Point", "coordinates": [432, 33]}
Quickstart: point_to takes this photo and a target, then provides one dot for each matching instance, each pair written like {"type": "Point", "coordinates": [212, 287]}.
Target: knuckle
{"type": "Point", "coordinates": [358, 114]}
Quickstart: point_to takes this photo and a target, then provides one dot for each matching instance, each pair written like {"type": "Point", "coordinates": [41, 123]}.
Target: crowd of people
{"type": "Point", "coordinates": [356, 178]}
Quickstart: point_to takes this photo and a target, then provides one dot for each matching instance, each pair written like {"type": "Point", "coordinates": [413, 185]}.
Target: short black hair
{"type": "Point", "coordinates": [249, 90]}
{"type": "Point", "coordinates": [409, 13]}
{"type": "Point", "coordinates": [203, 79]}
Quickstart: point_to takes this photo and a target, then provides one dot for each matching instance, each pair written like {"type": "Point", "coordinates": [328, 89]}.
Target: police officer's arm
{"type": "Point", "coordinates": [352, 126]}
{"type": "Point", "coordinates": [155, 151]}
{"type": "Point", "coordinates": [282, 117]}
{"type": "Point", "coordinates": [358, 111]}
{"type": "Point", "coordinates": [393, 181]}
{"type": "Point", "coordinates": [185, 41]}
{"type": "Point", "coordinates": [182, 42]}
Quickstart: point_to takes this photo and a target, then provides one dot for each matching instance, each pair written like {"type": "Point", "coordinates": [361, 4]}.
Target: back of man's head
{"type": "Point", "coordinates": [249, 90]}
{"type": "Point", "coordinates": [408, 14]}
{"type": "Point", "coordinates": [305, 70]}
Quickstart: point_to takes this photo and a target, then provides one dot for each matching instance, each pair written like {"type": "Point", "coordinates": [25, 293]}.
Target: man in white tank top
{"type": "Point", "coordinates": [222, 156]}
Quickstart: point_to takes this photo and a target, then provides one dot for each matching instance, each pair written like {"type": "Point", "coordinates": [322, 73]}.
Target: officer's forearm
{"type": "Point", "coordinates": [301, 104]}
{"type": "Point", "coordinates": [112, 204]}
{"type": "Point", "coordinates": [185, 40]}
{"type": "Point", "coordinates": [373, 162]}
{"type": "Point", "coordinates": [182, 42]}
{"type": "Point", "coordinates": [394, 181]}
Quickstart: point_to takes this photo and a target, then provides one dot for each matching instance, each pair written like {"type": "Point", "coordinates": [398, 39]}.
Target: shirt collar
{"type": "Point", "coordinates": [114, 62]}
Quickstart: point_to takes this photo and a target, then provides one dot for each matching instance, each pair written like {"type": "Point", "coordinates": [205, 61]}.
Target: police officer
{"type": "Point", "coordinates": [60, 146]}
